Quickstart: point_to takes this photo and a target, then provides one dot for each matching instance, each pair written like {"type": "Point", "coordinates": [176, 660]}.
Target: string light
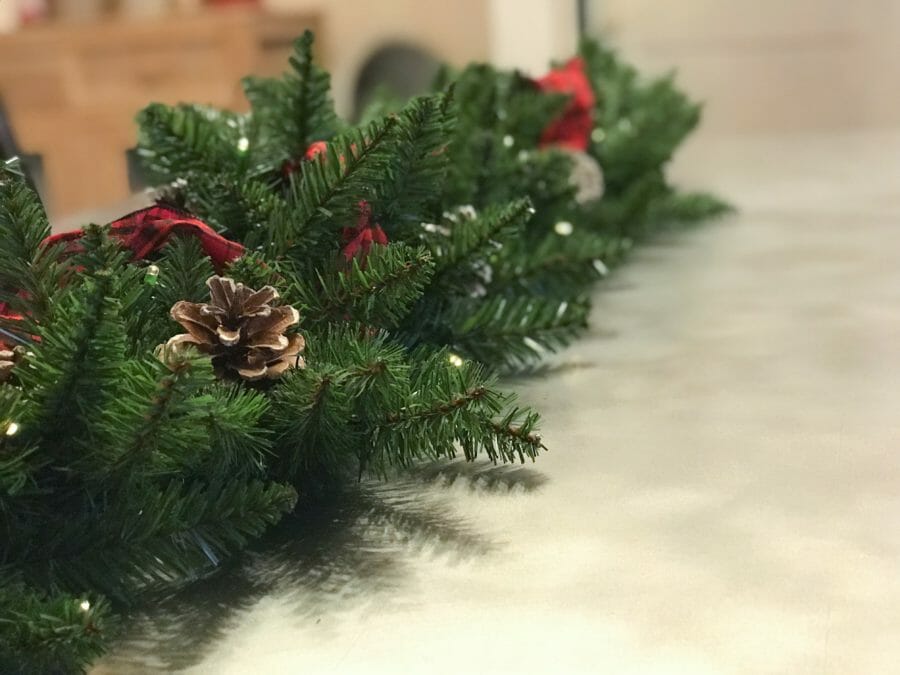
{"type": "Point", "coordinates": [243, 144]}
{"type": "Point", "coordinates": [508, 141]}
{"type": "Point", "coordinates": [455, 360]}
{"type": "Point", "coordinates": [151, 276]}
{"type": "Point", "coordinates": [12, 429]}
{"type": "Point", "coordinates": [85, 605]}
{"type": "Point", "coordinates": [563, 228]}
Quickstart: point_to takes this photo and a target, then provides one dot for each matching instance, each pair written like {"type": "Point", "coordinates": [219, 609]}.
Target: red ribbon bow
{"type": "Point", "coordinates": [358, 240]}
{"type": "Point", "coordinates": [572, 129]}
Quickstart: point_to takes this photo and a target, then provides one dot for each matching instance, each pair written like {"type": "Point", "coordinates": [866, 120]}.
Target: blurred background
{"type": "Point", "coordinates": [74, 72]}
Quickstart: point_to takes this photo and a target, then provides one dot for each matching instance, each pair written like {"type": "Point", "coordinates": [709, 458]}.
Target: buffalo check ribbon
{"type": "Point", "coordinates": [143, 232]}
{"type": "Point", "coordinates": [147, 230]}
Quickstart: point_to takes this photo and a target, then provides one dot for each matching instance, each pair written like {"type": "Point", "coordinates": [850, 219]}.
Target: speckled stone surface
{"type": "Point", "coordinates": [722, 494]}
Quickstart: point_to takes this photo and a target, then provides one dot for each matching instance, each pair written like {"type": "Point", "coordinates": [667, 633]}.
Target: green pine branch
{"type": "Point", "coordinates": [240, 443]}
{"type": "Point", "coordinates": [408, 193]}
{"type": "Point", "coordinates": [379, 292]}
{"type": "Point", "coordinates": [292, 112]}
{"type": "Point", "coordinates": [29, 272]}
{"type": "Point", "coordinates": [49, 632]}
{"type": "Point", "coordinates": [183, 271]}
{"type": "Point", "coordinates": [77, 363]}
{"type": "Point", "coordinates": [558, 266]}
{"type": "Point", "coordinates": [18, 462]}
{"type": "Point", "coordinates": [310, 416]}
{"type": "Point", "coordinates": [176, 141]}
{"type": "Point", "coordinates": [509, 333]}
{"type": "Point", "coordinates": [453, 404]}
{"type": "Point", "coordinates": [331, 185]}
{"type": "Point", "coordinates": [468, 241]}
{"type": "Point", "coordinates": [159, 535]}
{"type": "Point", "coordinates": [167, 413]}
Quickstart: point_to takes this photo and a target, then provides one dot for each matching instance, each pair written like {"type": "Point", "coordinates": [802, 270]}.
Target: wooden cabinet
{"type": "Point", "coordinates": [73, 90]}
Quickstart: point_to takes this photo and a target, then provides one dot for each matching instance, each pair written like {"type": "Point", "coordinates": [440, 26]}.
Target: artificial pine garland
{"type": "Point", "coordinates": [407, 259]}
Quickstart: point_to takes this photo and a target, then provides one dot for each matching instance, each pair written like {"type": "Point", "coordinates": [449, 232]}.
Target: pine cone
{"type": "Point", "coordinates": [9, 359]}
{"type": "Point", "coordinates": [240, 330]}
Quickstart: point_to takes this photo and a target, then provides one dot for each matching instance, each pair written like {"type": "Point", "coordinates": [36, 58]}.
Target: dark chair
{"type": "Point", "coordinates": [32, 165]}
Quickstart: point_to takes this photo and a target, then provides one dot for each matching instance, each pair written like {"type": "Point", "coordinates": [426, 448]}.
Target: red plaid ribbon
{"type": "Point", "coordinates": [146, 231]}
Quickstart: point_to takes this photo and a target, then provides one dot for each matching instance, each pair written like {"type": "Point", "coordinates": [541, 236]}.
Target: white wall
{"type": "Point", "coordinates": [528, 34]}
{"type": "Point", "coordinates": [453, 30]}
{"type": "Point", "coordinates": [770, 65]}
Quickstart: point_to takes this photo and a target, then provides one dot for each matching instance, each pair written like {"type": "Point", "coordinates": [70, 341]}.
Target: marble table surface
{"type": "Point", "coordinates": [722, 494]}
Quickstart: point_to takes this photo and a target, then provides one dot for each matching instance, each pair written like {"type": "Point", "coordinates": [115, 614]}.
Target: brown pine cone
{"type": "Point", "coordinates": [9, 358]}
{"type": "Point", "coordinates": [240, 330]}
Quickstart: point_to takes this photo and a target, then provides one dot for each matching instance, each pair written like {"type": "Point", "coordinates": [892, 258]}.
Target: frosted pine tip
{"type": "Point", "coordinates": [85, 605]}
{"type": "Point", "coordinates": [12, 429]}
{"type": "Point", "coordinates": [455, 360]}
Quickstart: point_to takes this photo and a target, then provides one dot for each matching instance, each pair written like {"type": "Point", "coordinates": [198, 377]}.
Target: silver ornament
{"type": "Point", "coordinates": [586, 176]}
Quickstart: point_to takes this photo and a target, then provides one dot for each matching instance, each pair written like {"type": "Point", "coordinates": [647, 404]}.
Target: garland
{"type": "Point", "coordinates": [344, 295]}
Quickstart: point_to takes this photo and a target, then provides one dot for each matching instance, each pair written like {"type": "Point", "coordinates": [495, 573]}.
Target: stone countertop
{"type": "Point", "coordinates": [722, 494]}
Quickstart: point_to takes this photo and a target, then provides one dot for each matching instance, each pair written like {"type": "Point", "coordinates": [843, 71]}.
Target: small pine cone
{"type": "Point", "coordinates": [9, 359]}
{"type": "Point", "coordinates": [240, 330]}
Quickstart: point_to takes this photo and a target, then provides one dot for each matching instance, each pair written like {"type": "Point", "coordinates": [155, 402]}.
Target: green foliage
{"type": "Point", "coordinates": [393, 164]}
{"type": "Point", "coordinates": [291, 112]}
{"type": "Point", "coordinates": [511, 333]}
{"type": "Point", "coordinates": [639, 126]}
{"type": "Point", "coordinates": [330, 187]}
{"type": "Point", "coordinates": [364, 404]}
{"type": "Point", "coordinates": [442, 389]}
{"type": "Point", "coordinates": [555, 264]}
{"type": "Point", "coordinates": [407, 194]}
{"type": "Point", "coordinates": [378, 293]}
{"type": "Point", "coordinates": [126, 475]}
{"type": "Point", "coordinates": [181, 531]}
{"type": "Point", "coordinates": [175, 141]}
{"type": "Point", "coordinates": [473, 238]}
{"type": "Point", "coordinates": [416, 171]}
{"type": "Point", "coordinates": [240, 443]}
{"type": "Point", "coordinates": [120, 437]}
{"type": "Point", "coordinates": [500, 116]}
{"type": "Point", "coordinates": [183, 271]}
{"type": "Point", "coordinates": [117, 474]}
{"type": "Point", "coordinates": [26, 268]}
{"type": "Point", "coordinates": [41, 633]}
